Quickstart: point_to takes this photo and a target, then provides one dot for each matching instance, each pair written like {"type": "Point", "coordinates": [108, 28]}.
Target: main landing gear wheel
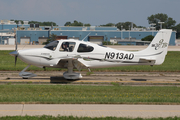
{"type": "Point", "coordinates": [70, 75]}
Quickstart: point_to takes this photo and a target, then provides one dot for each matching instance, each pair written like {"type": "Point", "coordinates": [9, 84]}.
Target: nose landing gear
{"type": "Point", "coordinates": [26, 75]}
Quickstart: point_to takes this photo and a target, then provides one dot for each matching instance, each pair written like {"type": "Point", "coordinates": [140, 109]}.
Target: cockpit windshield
{"type": "Point", "coordinates": [52, 45]}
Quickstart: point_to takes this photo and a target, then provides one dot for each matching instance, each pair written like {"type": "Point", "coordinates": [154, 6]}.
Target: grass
{"type": "Point", "coordinates": [171, 64]}
{"type": "Point", "coordinates": [78, 94]}
{"type": "Point", "coordinates": [89, 73]}
{"type": "Point", "coordinates": [46, 117]}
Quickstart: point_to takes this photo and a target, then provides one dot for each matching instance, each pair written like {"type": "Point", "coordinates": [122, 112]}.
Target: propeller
{"type": "Point", "coordinates": [15, 59]}
{"type": "Point", "coordinates": [15, 53]}
{"type": "Point", "coordinates": [16, 45]}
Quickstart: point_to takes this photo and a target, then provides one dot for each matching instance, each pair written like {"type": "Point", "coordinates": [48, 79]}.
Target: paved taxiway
{"type": "Point", "coordinates": [91, 110]}
{"type": "Point", "coordinates": [125, 78]}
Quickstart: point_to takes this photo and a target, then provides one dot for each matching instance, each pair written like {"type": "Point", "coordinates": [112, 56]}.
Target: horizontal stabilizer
{"type": "Point", "coordinates": [149, 60]}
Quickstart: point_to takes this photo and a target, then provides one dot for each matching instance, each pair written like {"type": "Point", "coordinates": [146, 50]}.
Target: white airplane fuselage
{"type": "Point", "coordinates": [107, 57]}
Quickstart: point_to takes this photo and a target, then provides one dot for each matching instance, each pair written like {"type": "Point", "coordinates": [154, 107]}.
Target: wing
{"type": "Point", "coordinates": [63, 63]}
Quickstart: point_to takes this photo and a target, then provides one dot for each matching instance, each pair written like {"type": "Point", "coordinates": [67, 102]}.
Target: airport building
{"type": "Point", "coordinates": [35, 34]}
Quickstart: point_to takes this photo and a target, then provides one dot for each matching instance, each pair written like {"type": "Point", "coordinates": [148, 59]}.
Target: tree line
{"type": "Point", "coordinates": [169, 23]}
{"type": "Point", "coordinates": [76, 23]}
{"type": "Point", "coordinates": [36, 22]}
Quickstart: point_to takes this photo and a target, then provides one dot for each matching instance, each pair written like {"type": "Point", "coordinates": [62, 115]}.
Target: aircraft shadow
{"type": "Point", "coordinates": [53, 79]}
{"type": "Point", "coordinates": [139, 79]}
{"type": "Point", "coordinates": [35, 79]}
{"type": "Point", "coordinates": [60, 80]}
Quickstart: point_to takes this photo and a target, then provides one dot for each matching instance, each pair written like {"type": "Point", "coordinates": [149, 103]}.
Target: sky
{"type": "Point", "coordinates": [94, 12]}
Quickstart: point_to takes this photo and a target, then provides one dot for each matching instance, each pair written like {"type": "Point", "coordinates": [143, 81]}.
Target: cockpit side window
{"type": "Point", "coordinates": [67, 46]}
{"type": "Point", "coordinates": [85, 48]}
{"type": "Point", "coordinates": [52, 45]}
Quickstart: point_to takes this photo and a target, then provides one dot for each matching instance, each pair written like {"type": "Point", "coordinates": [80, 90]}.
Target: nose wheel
{"type": "Point", "coordinates": [26, 75]}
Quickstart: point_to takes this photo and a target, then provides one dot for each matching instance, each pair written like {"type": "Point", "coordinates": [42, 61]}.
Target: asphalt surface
{"type": "Point", "coordinates": [91, 110]}
{"type": "Point", "coordinates": [96, 78]}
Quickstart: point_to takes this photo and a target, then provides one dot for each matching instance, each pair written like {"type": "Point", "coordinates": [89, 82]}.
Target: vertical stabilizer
{"type": "Point", "coordinates": [158, 47]}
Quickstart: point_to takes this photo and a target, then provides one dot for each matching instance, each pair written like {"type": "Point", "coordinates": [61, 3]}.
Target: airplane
{"type": "Point", "coordinates": [78, 54]}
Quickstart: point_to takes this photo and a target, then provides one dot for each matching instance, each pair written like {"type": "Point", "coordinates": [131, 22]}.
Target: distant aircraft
{"type": "Point", "coordinates": [78, 54]}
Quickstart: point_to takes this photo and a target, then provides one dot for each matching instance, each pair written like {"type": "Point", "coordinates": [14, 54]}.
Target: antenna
{"type": "Point", "coordinates": [85, 37]}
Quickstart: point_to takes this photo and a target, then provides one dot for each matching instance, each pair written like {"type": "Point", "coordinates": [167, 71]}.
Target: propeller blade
{"type": "Point", "coordinates": [16, 45]}
{"type": "Point", "coordinates": [15, 53]}
{"type": "Point", "coordinates": [15, 59]}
